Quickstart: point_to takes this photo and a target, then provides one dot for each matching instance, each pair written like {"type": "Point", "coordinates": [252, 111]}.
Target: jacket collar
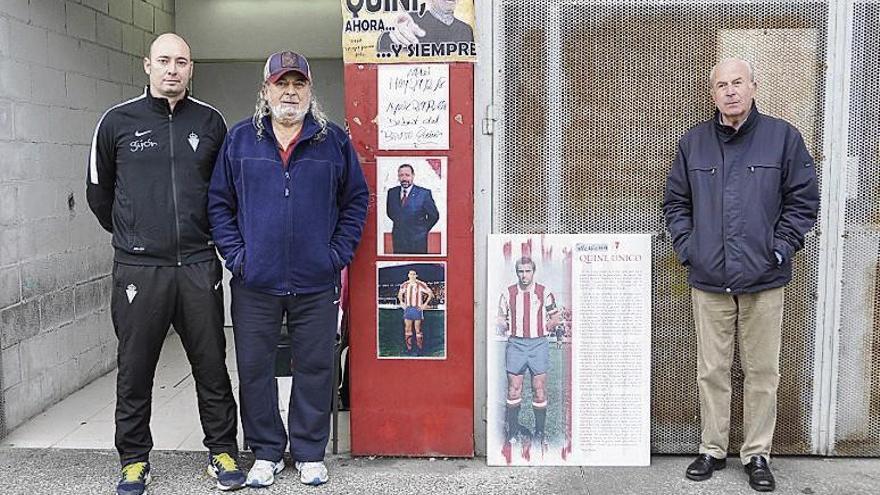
{"type": "Point", "coordinates": [728, 133]}
{"type": "Point", "coordinates": [308, 131]}
{"type": "Point", "coordinates": [161, 104]}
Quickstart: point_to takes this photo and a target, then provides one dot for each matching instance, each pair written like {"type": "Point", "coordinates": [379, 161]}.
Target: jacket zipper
{"type": "Point", "coordinates": [174, 186]}
{"type": "Point", "coordinates": [287, 206]}
{"type": "Point", "coordinates": [289, 203]}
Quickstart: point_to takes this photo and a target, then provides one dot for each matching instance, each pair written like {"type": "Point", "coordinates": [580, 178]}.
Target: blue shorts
{"type": "Point", "coordinates": [413, 313]}
{"type": "Point", "coordinates": [527, 354]}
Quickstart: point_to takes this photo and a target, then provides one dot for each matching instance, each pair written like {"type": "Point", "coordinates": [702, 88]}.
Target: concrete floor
{"type": "Point", "coordinates": [51, 471]}
{"type": "Point", "coordinates": [84, 420]}
{"type": "Point", "coordinates": [69, 449]}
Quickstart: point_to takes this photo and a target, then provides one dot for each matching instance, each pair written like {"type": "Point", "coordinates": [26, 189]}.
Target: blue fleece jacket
{"type": "Point", "coordinates": [287, 231]}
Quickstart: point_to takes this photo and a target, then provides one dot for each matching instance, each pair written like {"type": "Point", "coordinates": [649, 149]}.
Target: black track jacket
{"type": "Point", "coordinates": [148, 177]}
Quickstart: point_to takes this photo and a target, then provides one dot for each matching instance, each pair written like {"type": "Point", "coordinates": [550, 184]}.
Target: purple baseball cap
{"type": "Point", "coordinates": [281, 63]}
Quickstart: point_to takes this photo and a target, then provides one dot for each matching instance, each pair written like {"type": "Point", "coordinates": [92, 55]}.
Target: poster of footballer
{"type": "Point", "coordinates": [569, 349]}
{"type": "Point", "coordinates": [411, 305]}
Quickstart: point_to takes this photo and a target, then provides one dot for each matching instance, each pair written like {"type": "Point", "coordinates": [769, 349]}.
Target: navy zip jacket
{"type": "Point", "coordinates": [733, 197]}
{"type": "Point", "coordinates": [287, 231]}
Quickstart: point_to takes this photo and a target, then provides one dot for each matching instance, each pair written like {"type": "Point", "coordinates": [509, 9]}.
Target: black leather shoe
{"type": "Point", "coordinates": [760, 477]}
{"type": "Point", "coordinates": [703, 467]}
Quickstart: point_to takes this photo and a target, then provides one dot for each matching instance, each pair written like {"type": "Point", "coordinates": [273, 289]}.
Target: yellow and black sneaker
{"type": "Point", "coordinates": [134, 480]}
{"type": "Point", "coordinates": [224, 468]}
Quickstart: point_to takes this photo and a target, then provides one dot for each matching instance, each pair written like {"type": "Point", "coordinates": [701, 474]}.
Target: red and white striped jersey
{"type": "Point", "coordinates": [411, 291]}
{"type": "Point", "coordinates": [526, 311]}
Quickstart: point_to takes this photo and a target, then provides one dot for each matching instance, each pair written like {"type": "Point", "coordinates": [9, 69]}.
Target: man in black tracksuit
{"type": "Point", "coordinates": [149, 167]}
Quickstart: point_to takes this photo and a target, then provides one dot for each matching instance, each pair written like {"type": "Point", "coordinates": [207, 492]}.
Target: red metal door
{"type": "Point", "coordinates": [414, 407]}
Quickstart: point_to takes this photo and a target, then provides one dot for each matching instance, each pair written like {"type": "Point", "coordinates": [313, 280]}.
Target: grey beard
{"type": "Point", "coordinates": [444, 17]}
{"type": "Point", "coordinates": [291, 116]}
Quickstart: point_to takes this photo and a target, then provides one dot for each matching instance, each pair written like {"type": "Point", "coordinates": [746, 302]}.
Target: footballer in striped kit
{"type": "Point", "coordinates": [527, 313]}
{"type": "Point", "coordinates": [414, 296]}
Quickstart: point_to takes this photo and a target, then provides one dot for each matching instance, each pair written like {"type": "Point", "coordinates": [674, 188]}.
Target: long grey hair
{"type": "Point", "coordinates": [261, 109]}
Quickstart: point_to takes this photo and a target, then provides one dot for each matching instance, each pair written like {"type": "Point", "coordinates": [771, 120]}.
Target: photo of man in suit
{"type": "Point", "coordinates": [412, 211]}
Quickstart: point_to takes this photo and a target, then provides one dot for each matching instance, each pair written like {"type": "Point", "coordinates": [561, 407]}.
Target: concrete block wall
{"type": "Point", "coordinates": [62, 63]}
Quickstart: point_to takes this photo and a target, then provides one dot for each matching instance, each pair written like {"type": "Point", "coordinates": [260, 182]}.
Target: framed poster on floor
{"type": "Point", "coordinates": [569, 349]}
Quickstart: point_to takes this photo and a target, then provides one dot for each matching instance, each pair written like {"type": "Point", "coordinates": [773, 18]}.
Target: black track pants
{"type": "Point", "coordinates": [146, 300]}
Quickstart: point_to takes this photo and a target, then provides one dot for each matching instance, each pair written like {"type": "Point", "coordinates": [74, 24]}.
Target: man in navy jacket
{"type": "Point", "coordinates": [412, 211]}
{"type": "Point", "coordinates": [287, 205]}
{"type": "Point", "coordinates": [740, 197]}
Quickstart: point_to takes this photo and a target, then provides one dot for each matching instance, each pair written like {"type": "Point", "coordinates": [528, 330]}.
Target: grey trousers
{"type": "Point", "coordinates": [758, 317]}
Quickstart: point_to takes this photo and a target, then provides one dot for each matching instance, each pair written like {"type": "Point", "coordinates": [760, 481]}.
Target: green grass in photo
{"type": "Point", "coordinates": [555, 426]}
{"type": "Point", "coordinates": [391, 343]}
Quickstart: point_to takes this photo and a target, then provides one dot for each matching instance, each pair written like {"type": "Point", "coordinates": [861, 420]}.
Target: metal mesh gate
{"type": "Point", "coordinates": [592, 97]}
{"type": "Point", "coordinates": [856, 387]}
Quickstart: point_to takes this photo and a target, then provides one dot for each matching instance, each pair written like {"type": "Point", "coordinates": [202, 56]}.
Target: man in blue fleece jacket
{"type": "Point", "coordinates": [287, 205]}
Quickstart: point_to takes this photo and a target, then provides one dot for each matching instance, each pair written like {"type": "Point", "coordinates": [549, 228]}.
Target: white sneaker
{"type": "Point", "coordinates": [312, 473]}
{"type": "Point", "coordinates": [262, 473]}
